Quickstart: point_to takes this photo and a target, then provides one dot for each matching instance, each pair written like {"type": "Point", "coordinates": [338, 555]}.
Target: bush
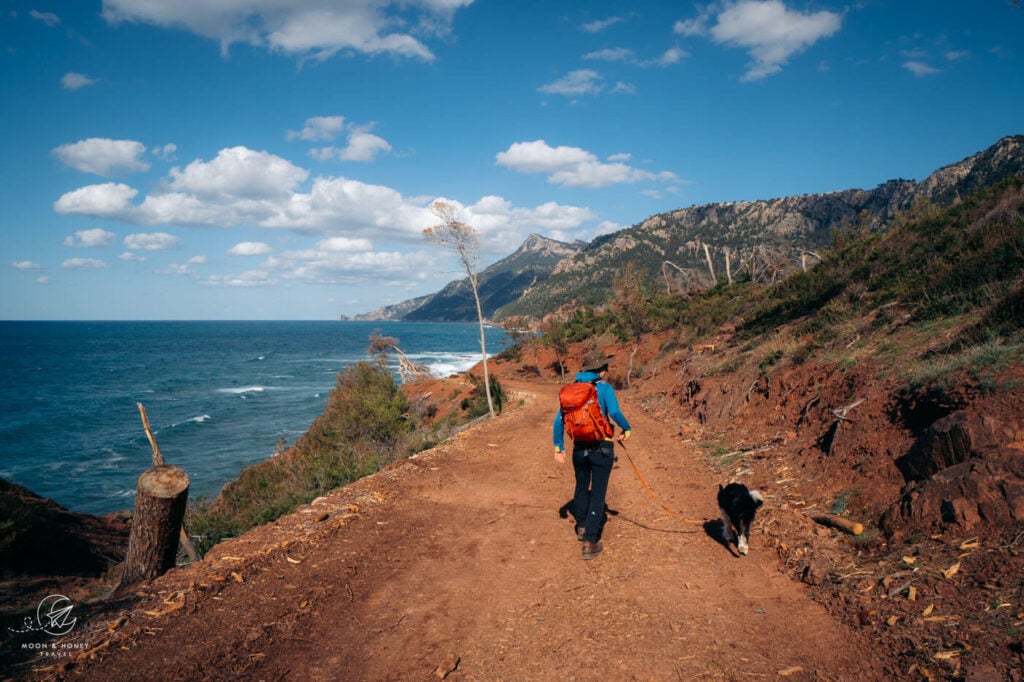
{"type": "Point", "coordinates": [362, 429]}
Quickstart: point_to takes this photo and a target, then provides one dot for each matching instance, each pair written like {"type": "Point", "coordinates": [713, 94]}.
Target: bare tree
{"type": "Point", "coordinates": [464, 240]}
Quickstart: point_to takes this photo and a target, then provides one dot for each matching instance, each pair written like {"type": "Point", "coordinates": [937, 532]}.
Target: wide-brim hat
{"type": "Point", "coordinates": [595, 360]}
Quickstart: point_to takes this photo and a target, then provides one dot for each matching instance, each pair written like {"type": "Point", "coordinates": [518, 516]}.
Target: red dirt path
{"type": "Point", "coordinates": [459, 554]}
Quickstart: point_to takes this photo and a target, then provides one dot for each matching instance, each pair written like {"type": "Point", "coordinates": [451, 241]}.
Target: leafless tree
{"type": "Point", "coordinates": [464, 241]}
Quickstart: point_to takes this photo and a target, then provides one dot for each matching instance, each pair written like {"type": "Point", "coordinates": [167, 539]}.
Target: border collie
{"type": "Point", "coordinates": [738, 504]}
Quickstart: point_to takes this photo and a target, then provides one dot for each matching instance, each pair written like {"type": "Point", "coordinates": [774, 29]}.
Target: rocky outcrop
{"type": "Point", "coordinates": [965, 470]}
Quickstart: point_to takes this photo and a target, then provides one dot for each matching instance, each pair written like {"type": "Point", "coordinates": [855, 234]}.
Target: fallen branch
{"type": "Point", "coordinates": [839, 523]}
{"type": "Point", "coordinates": [840, 413]}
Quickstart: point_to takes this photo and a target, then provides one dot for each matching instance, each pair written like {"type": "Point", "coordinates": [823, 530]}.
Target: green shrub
{"type": "Point", "coordinates": [363, 428]}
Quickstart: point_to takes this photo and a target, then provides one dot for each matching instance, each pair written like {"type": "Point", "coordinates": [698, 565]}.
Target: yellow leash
{"type": "Point", "coordinates": [644, 483]}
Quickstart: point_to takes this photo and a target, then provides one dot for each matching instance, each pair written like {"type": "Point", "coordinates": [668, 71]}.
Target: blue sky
{"type": "Point", "coordinates": [275, 159]}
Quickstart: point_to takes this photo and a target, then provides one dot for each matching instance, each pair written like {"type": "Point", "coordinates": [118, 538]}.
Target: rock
{"type": "Point", "coordinates": [447, 666]}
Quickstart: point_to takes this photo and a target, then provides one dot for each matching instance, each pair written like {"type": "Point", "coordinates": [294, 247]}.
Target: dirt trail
{"type": "Point", "coordinates": [460, 553]}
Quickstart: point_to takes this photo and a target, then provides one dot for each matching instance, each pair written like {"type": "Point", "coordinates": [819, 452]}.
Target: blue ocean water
{"type": "Point", "coordinates": [219, 395]}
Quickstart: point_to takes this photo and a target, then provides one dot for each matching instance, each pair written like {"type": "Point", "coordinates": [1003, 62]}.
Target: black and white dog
{"type": "Point", "coordinates": [738, 504]}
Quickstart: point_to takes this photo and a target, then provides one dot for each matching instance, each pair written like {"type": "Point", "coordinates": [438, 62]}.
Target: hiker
{"type": "Point", "coordinates": [592, 455]}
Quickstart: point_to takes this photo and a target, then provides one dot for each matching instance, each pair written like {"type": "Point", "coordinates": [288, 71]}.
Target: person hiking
{"type": "Point", "coordinates": [593, 449]}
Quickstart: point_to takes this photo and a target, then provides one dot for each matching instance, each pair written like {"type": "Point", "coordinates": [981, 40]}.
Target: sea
{"type": "Point", "coordinates": [219, 396]}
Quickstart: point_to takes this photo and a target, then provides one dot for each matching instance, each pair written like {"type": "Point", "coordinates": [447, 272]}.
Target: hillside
{"type": "Point", "coordinates": [500, 283]}
{"type": "Point", "coordinates": [760, 239]}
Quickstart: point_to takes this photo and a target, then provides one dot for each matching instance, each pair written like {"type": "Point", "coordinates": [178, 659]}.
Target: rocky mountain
{"type": "Point", "coordinates": [500, 284]}
{"type": "Point", "coordinates": [753, 239]}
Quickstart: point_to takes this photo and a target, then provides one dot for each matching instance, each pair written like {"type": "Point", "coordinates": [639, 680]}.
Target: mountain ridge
{"type": "Point", "coordinates": [697, 246]}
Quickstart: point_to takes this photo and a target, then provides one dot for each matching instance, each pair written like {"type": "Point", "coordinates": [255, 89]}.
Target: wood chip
{"type": "Point", "coordinates": [793, 670]}
{"type": "Point", "coordinates": [952, 570]}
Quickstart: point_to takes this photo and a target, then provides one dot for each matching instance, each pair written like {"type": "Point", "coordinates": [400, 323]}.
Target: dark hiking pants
{"type": "Point", "coordinates": [592, 463]}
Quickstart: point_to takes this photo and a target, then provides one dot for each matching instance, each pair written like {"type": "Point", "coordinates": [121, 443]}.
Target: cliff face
{"type": "Point", "coordinates": [674, 247]}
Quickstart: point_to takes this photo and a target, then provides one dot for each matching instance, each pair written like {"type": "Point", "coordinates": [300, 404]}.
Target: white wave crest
{"type": "Point", "coordinates": [243, 389]}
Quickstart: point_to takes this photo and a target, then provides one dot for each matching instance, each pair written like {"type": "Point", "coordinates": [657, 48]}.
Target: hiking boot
{"type": "Point", "coordinates": [591, 549]}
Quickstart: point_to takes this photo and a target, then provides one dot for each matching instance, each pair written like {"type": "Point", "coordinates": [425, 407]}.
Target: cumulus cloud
{"type": "Point", "coordinates": [25, 265]}
{"type": "Point", "coordinates": [257, 189]}
{"type": "Point", "coordinates": [239, 173]}
{"type": "Point", "coordinates": [90, 238]}
{"type": "Point", "coordinates": [575, 167]}
{"type": "Point", "coordinates": [315, 29]}
{"type": "Point", "coordinates": [132, 257]}
{"type": "Point", "coordinates": [108, 200]}
{"type": "Point", "coordinates": [102, 156]}
{"type": "Point", "coordinates": [579, 82]}
{"type": "Point", "coordinates": [151, 241]}
{"type": "Point", "coordinates": [42, 280]}
{"type": "Point", "coordinates": [361, 146]}
{"type": "Point", "coordinates": [769, 31]}
{"type": "Point", "coordinates": [249, 249]}
{"type": "Point", "coordinates": [319, 128]}
{"type": "Point", "coordinates": [84, 264]}
{"type": "Point", "coordinates": [76, 81]}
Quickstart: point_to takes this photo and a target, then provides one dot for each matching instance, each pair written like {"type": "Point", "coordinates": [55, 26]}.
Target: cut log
{"type": "Point", "coordinates": [160, 500]}
{"type": "Point", "coordinates": [839, 523]}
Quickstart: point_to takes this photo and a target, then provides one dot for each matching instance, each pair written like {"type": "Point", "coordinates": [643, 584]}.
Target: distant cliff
{"type": "Point", "coordinates": [501, 283]}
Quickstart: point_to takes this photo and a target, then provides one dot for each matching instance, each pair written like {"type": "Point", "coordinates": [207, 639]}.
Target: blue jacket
{"type": "Point", "coordinates": [607, 401]}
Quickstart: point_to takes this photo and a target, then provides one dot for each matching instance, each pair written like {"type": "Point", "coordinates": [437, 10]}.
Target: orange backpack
{"type": "Point", "coordinates": [581, 413]}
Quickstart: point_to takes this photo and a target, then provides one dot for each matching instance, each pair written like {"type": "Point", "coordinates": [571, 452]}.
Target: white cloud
{"type": "Point", "coordinates": [84, 264]}
{"type": "Point", "coordinates": [48, 18]}
{"type": "Point", "coordinates": [132, 257]}
{"type": "Point", "coordinates": [90, 238]}
{"type": "Point", "coordinates": [580, 82]}
{"type": "Point", "coordinates": [42, 280]}
{"type": "Point", "coordinates": [196, 260]}
{"type": "Point", "coordinates": [673, 55]}
{"type": "Point", "coordinates": [769, 31]}
{"type": "Point", "coordinates": [102, 156]}
{"type": "Point", "coordinates": [151, 241]}
{"type": "Point", "coordinates": [166, 152]}
{"type": "Point", "coordinates": [361, 145]}
{"type": "Point", "coordinates": [314, 29]}
{"type": "Point", "coordinates": [319, 128]}
{"type": "Point", "coordinates": [575, 167]}
{"type": "Point", "coordinates": [76, 81]}
{"type": "Point", "coordinates": [249, 249]}
{"type": "Point", "coordinates": [239, 173]}
{"type": "Point", "coordinates": [344, 244]}
{"type": "Point", "coordinates": [920, 69]}
{"type": "Point", "coordinates": [241, 187]}
{"type": "Point", "coordinates": [600, 24]}
{"type": "Point", "coordinates": [25, 265]}
{"type": "Point", "coordinates": [109, 200]}
{"type": "Point", "coordinates": [612, 54]}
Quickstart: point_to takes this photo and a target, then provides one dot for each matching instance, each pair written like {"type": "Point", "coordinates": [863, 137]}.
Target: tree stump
{"type": "Point", "coordinates": [160, 500]}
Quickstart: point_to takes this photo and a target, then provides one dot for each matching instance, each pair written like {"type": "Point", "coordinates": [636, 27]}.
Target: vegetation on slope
{"type": "Point", "coordinates": [367, 424]}
{"type": "Point", "coordinates": [960, 269]}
